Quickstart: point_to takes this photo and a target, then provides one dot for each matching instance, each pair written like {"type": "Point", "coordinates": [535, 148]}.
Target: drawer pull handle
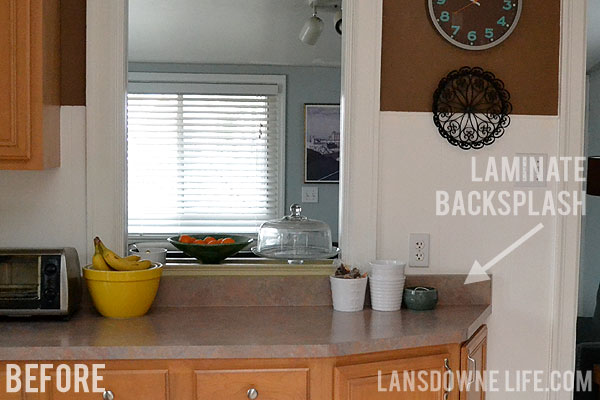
{"type": "Point", "coordinates": [473, 372]}
{"type": "Point", "coordinates": [252, 393]}
{"type": "Point", "coordinates": [450, 373]}
{"type": "Point", "coordinates": [108, 395]}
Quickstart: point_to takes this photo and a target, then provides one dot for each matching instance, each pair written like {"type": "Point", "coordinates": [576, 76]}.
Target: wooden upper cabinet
{"type": "Point", "coordinates": [29, 84]}
{"type": "Point", "coordinates": [384, 380]}
{"type": "Point", "coordinates": [473, 363]}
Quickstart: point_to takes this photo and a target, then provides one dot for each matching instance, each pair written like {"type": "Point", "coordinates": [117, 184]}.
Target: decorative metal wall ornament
{"type": "Point", "coordinates": [471, 108]}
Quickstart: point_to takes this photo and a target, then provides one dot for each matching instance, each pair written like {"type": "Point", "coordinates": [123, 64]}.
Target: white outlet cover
{"type": "Point", "coordinates": [418, 250]}
{"type": "Point", "coordinates": [525, 159]}
{"type": "Point", "coordinates": [310, 194]}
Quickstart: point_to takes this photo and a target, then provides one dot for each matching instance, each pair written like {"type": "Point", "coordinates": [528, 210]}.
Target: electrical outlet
{"type": "Point", "coordinates": [310, 194]}
{"type": "Point", "coordinates": [533, 169]}
{"type": "Point", "coordinates": [418, 250]}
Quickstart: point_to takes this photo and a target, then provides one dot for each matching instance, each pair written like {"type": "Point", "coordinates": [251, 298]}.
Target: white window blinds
{"type": "Point", "coordinates": [205, 153]}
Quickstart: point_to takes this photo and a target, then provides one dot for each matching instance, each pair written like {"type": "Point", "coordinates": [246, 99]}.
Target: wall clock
{"type": "Point", "coordinates": [471, 108]}
{"type": "Point", "coordinates": [475, 24]}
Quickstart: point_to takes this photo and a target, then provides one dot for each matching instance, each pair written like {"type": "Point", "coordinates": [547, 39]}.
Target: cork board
{"type": "Point", "coordinates": [415, 57]}
{"type": "Point", "coordinates": [73, 52]}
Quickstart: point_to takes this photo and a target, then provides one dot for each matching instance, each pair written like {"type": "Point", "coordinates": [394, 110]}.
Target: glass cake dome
{"type": "Point", "coordinates": [295, 238]}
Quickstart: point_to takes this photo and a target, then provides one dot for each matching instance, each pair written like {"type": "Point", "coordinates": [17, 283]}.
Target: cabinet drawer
{"type": "Point", "coordinates": [270, 384]}
{"type": "Point", "coordinates": [8, 396]}
{"type": "Point", "coordinates": [125, 385]}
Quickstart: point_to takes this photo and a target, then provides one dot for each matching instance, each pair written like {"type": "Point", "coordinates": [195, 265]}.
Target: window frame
{"type": "Point", "coordinates": [146, 80]}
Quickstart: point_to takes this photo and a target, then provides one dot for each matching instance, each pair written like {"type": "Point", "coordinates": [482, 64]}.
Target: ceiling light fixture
{"type": "Point", "coordinates": [312, 29]}
{"type": "Point", "coordinates": [337, 21]}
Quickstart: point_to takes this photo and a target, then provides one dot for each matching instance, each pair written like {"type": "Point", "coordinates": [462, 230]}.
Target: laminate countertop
{"type": "Point", "coordinates": [236, 332]}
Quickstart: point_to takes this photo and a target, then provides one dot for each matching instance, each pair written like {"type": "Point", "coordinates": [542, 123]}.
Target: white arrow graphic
{"type": "Point", "coordinates": [478, 272]}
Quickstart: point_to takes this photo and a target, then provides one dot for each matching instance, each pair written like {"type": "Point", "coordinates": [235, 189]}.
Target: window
{"type": "Point", "coordinates": [205, 153]}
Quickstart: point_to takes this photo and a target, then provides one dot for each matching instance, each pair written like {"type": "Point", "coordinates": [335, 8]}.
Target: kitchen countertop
{"type": "Point", "coordinates": [237, 332]}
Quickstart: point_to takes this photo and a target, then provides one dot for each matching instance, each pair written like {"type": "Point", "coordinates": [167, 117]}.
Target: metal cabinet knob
{"type": "Point", "coordinates": [252, 393]}
{"type": "Point", "coordinates": [108, 395]}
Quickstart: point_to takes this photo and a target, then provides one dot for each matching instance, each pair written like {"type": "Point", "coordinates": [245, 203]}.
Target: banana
{"type": "Point", "coordinates": [122, 264]}
{"type": "Point", "coordinates": [97, 260]}
{"type": "Point", "coordinates": [135, 266]}
{"type": "Point", "coordinates": [132, 258]}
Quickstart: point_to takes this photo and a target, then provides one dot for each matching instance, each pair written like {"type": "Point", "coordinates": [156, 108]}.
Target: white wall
{"type": "Point", "coordinates": [415, 162]}
{"type": "Point", "coordinates": [261, 32]}
{"type": "Point", "coordinates": [48, 208]}
{"type": "Point", "coordinates": [593, 33]}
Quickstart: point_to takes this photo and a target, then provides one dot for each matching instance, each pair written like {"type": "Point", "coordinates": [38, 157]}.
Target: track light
{"type": "Point", "coordinates": [337, 21]}
{"type": "Point", "coordinates": [312, 29]}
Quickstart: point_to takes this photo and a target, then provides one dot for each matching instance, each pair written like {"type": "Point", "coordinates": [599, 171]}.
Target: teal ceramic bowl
{"type": "Point", "coordinates": [420, 298]}
{"type": "Point", "coordinates": [211, 253]}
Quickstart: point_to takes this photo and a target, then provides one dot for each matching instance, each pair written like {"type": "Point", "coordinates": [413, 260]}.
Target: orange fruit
{"type": "Point", "coordinates": [186, 239]}
{"type": "Point", "coordinates": [199, 241]}
{"type": "Point", "coordinates": [209, 238]}
{"type": "Point", "coordinates": [228, 241]}
{"type": "Point", "coordinates": [220, 241]}
{"type": "Point", "coordinates": [214, 241]}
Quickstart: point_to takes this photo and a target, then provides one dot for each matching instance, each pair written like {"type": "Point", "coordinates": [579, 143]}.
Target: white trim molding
{"type": "Point", "coordinates": [106, 121]}
{"type": "Point", "coordinates": [568, 228]}
{"type": "Point", "coordinates": [360, 115]}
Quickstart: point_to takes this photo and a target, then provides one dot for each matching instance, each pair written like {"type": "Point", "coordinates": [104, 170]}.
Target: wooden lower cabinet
{"type": "Point", "coordinates": [415, 377]}
{"type": "Point", "coordinates": [124, 385]}
{"type": "Point", "coordinates": [375, 376]}
{"type": "Point", "coordinates": [473, 363]}
{"type": "Point", "coordinates": [21, 395]}
{"type": "Point", "coordinates": [3, 393]}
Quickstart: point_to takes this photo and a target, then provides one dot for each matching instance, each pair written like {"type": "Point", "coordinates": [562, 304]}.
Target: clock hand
{"type": "Point", "coordinates": [467, 6]}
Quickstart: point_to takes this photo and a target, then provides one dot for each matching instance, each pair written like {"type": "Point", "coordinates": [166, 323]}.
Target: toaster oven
{"type": "Point", "coordinates": [39, 282]}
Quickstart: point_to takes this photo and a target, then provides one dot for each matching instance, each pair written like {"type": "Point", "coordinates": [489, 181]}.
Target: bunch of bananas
{"type": "Point", "coordinates": [105, 259]}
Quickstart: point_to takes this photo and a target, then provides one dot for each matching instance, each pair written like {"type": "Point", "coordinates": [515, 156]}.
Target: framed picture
{"type": "Point", "coordinates": [321, 143]}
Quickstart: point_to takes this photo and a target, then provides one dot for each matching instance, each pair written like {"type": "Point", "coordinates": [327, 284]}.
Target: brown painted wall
{"type": "Point", "coordinates": [73, 39]}
{"type": "Point", "coordinates": [415, 57]}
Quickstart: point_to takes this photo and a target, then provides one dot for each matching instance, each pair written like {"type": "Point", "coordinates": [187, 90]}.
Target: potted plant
{"type": "Point", "coordinates": [348, 288]}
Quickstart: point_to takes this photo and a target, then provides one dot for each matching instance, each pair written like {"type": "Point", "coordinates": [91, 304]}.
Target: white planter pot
{"type": "Point", "coordinates": [386, 295]}
{"type": "Point", "coordinates": [387, 269]}
{"type": "Point", "coordinates": [348, 294]}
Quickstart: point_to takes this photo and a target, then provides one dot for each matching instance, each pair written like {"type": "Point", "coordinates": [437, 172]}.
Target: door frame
{"type": "Point", "coordinates": [572, 105]}
{"type": "Point", "coordinates": [106, 143]}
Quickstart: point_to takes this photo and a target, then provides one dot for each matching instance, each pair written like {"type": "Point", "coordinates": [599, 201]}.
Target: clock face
{"type": "Point", "coordinates": [475, 24]}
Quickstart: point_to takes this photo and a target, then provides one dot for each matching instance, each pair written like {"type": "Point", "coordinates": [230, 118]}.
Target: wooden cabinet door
{"type": "Point", "coordinates": [3, 394]}
{"type": "Point", "coordinates": [29, 84]}
{"type": "Point", "coordinates": [125, 385]}
{"type": "Point", "coordinates": [15, 74]}
{"type": "Point", "coordinates": [268, 384]}
{"type": "Point", "coordinates": [385, 380]}
{"type": "Point", "coordinates": [473, 363]}
{"type": "Point", "coordinates": [21, 395]}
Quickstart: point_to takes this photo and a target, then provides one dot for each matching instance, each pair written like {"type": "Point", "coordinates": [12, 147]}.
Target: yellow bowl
{"type": "Point", "coordinates": [123, 294]}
